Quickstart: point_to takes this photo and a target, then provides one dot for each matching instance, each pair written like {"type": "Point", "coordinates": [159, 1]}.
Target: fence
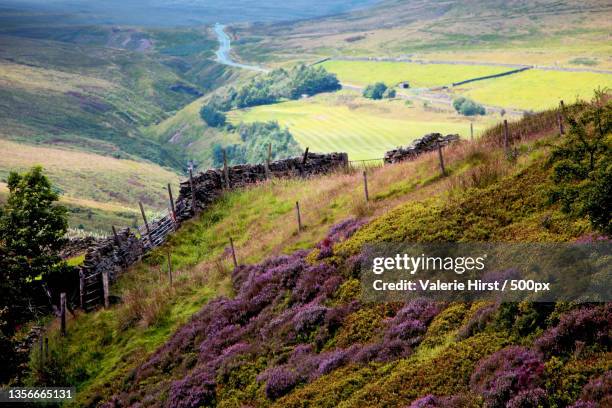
{"type": "Point", "coordinates": [110, 256]}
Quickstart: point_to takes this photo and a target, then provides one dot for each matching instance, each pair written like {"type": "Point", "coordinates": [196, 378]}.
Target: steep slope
{"type": "Point", "coordinates": [72, 91]}
{"type": "Point", "coordinates": [296, 331]}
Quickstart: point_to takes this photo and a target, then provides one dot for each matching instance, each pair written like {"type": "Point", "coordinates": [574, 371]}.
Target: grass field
{"type": "Point", "coordinates": [535, 89]}
{"type": "Point", "coordinates": [418, 75]}
{"type": "Point", "coordinates": [348, 123]}
{"type": "Point", "coordinates": [96, 188]}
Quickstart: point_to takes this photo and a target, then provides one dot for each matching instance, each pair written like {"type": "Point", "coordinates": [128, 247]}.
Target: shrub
{"type": "Point", "coordinates": [375, 91]}
{"type": "Point", "coordinates": [390, 93]}
{"type": "Point", "coordinates": [255, 138]}
{"type": "Point", "coordinates": [582, 165]}
{"type": "Point", "coordinates": [500, 377]}
{"type": "Point", "coordinates": [596, 393]}
{"type": "Point", "coordinates": [280, 381]}
{"type": "Point", "coordinates": [455, 401]}
{"type": "Point", "coordinates": [589, 325]}
{"type": "Point", "coordinates": [477, 322]}
{"type": "Point", "coordinates": [468, 107]}
{"type": "Point", "coordinates": [212, 117]}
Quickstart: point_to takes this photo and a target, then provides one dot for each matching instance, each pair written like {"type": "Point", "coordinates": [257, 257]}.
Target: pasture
{"type": "Point", "coordinates": [348, 123]}
{"type": "Point", "coordinates": [535, 89]}
{"type": "Point", "coordinates": [419, 75]}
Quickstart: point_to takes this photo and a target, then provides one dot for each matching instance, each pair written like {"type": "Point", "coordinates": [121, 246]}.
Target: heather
{"type": "Point", "coordinates": [290, 330]}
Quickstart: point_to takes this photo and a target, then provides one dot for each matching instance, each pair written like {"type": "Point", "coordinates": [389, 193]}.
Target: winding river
{"type": "Point", "coordinates": [225, 46]}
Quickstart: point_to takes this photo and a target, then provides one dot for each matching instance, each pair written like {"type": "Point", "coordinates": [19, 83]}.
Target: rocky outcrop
{"type": "Point", "coordinates": [425, 144]}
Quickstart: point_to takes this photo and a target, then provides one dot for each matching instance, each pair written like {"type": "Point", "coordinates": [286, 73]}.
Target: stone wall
{"type": "Point", "coordinates": [108, 255]}
{"type": "Point", "coordinates": [76, 246]}
{"type": "Point", "coordinates": [425, 144]}
{"type": "Point", "coordinates": [114, 255]}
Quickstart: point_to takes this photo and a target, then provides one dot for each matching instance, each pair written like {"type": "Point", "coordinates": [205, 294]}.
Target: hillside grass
{"type": "Point", "coordinates": [365, 129]}
{"type": "Point", "coordinates": [103, 347]}
{"type": "Point", "coordinates": [418, 75]}
{"type": "Point", "coordinates": [99, 190]}
{"type": "Point", "coordinates": [535, 89]}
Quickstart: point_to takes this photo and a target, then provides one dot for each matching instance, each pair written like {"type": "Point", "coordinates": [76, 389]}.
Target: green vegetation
{"type": "Point", "coordinates": [583, 165]}
{"type": "Point", "coordinates": [32, 227]}
{"type": "Point", "coordinates": [471, 203]}
{"type": "Point", "coordinates": [418, 75]}
{"type": "Point", "coordinates": [468, 107]}
{"type": "Point", "coordinates": [212, 116]}
{"type": "Point", "coordinates": [364, 129]}
{"type": "Point", "coordinates": [254, 147]}
{"type": "Point", "coordinates": [276, 85]}
{"type": "Point", "coordinates": [378, 91]}
{"type": "Point", "coordinates": [535, 89]}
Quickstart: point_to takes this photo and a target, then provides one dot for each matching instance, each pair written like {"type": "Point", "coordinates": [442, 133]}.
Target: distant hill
{"type": "Point", "coordinates": [553, 30]}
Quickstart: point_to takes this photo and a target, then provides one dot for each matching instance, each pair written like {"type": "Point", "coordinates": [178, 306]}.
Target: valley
{"type": "Point", "coordinates": [246, 286]}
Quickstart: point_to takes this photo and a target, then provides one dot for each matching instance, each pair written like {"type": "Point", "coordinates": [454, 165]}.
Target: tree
{"type": "Point", "coordinates": [212, 116]}
{"type": "Point", "coordinates": [468, 107]}
{"type": "Point", "coordinates": [375, 91]}
{"type": "Point", "coordinates": [32, 229]}
{"type": "Point", "coordinates": [390, 93]}
{"type": "Point", "coordinates": [582, 165]}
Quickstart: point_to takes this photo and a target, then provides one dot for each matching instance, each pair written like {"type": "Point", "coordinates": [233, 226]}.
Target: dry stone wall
{"type": "Point", "coordinates": [112, 255]}
{"type": "Point", "coordinates": [425, 144]}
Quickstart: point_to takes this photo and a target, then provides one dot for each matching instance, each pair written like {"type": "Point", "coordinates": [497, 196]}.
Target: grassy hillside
{"type": "Point", "coordinates": [364, 129]}
{"type": "Point", "coordinates": [76, 99]}
{"type": "Point", "coordinates": [504, 200]}
{"type": "Point", "coordinates": [96, 186]}
{"type": "Point", "coordinates": [535, 89]}
{"type": "Point", "coordinates": [418, 75]}
{"type": "Point", "coordinates": [543, 32]}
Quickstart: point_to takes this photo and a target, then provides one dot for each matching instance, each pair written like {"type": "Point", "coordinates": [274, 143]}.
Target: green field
{"type": "Point", "coordinates": [536, 89]}
{"type": "Point", "coordinates": [418, 75]}
{"type": "Point", "coordinates": [347, 123]}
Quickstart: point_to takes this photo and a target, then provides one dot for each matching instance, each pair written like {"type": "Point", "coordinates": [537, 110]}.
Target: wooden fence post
{"type": "Point", "coordinates": [194, 209]}
{"type": "Point", "coordinates": [299, 217]}
{"type": "Point", "coordinates": [305, 158]}
{"type": "Point", "coordinates": [225, 170]}
{"type": "Point", "coordinates": [46, 348]}
{"type": "Point", "coordinates": [442, 168]}
{"type": "Point", "coordinates": [268, 159]}
{"type": "Point", "coordinates": [171, 203]}
{"type": "Point", "coordinates": [105, 288]}
{"type": "Point", "coordinates": [365, 185]}
{"type": "Point", "coordinates": [82, 289]}
{"type": "Point", "coordinates": [506, 135]}
{"type": "Point", "coordinates": [63, 313]}
{"type": "Point", "coordinates": [233, 253]}
{"type": "Point", "coordinates": [115, 235]}
{"type": "Point", "coordinates": [144, 217]}
{"type": "Point", "coordinates": [471, 131]}
{"type": "Point", "coordinates": [170, 268]}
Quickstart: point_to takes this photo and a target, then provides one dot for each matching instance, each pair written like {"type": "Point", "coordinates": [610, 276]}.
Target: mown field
{"type": "Point", "coordinates": [535, 89]}
{"type": "Point", "coordinates": [418, 75]}
{"type": "Point", "coordinates": [365, 129]}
